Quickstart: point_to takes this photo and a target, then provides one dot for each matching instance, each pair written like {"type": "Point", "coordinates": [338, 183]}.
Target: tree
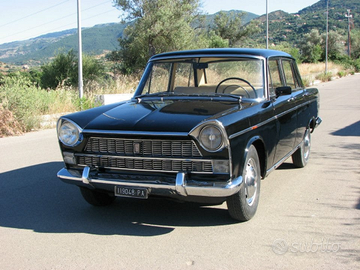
{"type": "Point", "coordinates": [93, 69]}
{"type": "Point", "coordinates": [229, 27]}
{"type": "Point", "coordinates": [288, 48]}
{"type": "Point", "coordinates": [63, 70]}
{"type": "Point", "coordinates": [335, 45]}
{"type": "Point", "coordinates": [310, 48]}
{"type": "Point", "coordinates": [59, 71]}
{"type": "Point", "coordinates": [355, 44]}
{"type": "Point", "coordinates": [216, 41]}
{"type": "Point", "coordinates": [158, 26]}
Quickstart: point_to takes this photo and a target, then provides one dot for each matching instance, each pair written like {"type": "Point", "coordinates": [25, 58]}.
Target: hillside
{"type": "Point", "coordinates": [289, 27]}
{"type": "Point", "coordinates": [38, 50]}
{"type": "Point", "coordinates": [96, 40]}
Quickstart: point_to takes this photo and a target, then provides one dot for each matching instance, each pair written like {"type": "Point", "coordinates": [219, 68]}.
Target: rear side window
{"type": "Point", "coordinates": [275, 75]}
{"type": "Point", "coordinates": [290, 79]}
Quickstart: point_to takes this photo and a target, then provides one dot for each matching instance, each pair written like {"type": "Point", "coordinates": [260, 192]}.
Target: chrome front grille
{"type": "Point", "coordinates": [161, 165]}
{"type": "Point", "coordinates": [144, 155]}
{"type": "Point", "coordinates": [145, 148]}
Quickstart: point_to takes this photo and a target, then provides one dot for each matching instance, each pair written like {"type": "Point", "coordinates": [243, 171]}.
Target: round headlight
{"type": "Point", "coordinates": [211, 138]}
{"type": "Point", "coordinates": [69, 134]}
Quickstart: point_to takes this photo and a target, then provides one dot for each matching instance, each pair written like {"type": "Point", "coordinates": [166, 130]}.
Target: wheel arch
{"type": "Point", "coordinates": [261, 151]}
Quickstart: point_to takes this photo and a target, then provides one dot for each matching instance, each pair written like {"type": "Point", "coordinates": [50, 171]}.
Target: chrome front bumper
{"type": "Point", "coordinates": [181, 187]}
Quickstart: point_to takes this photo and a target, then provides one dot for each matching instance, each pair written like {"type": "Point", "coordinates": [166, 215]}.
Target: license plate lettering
{"type": "Point", "coordinates": [132, 192]}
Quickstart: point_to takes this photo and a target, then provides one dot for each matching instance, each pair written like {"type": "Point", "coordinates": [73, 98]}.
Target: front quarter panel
{"type": "Point", "coordinates": [254, 125]}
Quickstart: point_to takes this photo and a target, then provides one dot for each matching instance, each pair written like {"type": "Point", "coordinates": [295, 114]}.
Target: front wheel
{"type": "Point", "coordinates": [301, 156]}
{"type": "Point", "coordinates": [242, 205]}
{"type": "Point", "coordinates": [96, 198]}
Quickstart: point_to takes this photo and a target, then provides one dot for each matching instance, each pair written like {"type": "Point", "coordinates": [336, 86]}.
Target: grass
{"type": "Point", "coordinates": [312, 72]}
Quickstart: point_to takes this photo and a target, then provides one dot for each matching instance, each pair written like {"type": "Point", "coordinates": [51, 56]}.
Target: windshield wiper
{"type": "Point", "coordinates": [161, 94]}
{"type": "Point", "coordinates": [229, 95]}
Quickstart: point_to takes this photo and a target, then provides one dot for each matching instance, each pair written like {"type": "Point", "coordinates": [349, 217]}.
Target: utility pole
{"type": "Point", "coordinates": [80, 75]}
{"type": "Point", "coordinates": [327, 36]}
{"type": "Point", "coordinates": [349, 40]}
{"type": "Point", "coordinates": [267, 24]}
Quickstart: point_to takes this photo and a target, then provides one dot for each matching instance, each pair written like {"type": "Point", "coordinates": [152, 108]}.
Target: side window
{"type": "Point", "coordinates": [289, 74]}
{"type": "Point", "coordinates": [275, 77]}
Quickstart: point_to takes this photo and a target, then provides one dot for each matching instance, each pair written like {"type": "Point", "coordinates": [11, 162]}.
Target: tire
{"type": "Point", "coordinates": [242, 205]}
{"type": "Point", "coordinates": [96, 198]}
{"type": "Point", "coordinates": [301, 156]}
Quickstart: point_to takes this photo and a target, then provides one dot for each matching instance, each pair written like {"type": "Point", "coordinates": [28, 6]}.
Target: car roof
{"type": "Point", "coordinates": [223, 52]}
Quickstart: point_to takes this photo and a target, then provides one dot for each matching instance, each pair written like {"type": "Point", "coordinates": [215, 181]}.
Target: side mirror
{"type": "Point", "coordinates": [201, 65]}
{"type": "Point", "coordinates": [283, 90]}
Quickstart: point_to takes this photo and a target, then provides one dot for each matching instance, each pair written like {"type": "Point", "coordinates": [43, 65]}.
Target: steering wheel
{"type": "Point", "coordinates": [236, 78]}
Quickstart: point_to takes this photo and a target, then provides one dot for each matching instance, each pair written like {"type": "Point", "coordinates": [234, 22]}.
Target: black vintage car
{"type": "Point", "coordinates": [203, 126]}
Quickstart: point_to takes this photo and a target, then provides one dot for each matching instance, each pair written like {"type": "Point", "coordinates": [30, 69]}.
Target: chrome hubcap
{"type": "Point", "coordinates": [250, 182]}
{"type": "Point", "coordinates": [307, 144]}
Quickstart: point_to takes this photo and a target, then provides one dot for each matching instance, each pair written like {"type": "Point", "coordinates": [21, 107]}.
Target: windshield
{"type": "Point", "coordinates": [206, 76]}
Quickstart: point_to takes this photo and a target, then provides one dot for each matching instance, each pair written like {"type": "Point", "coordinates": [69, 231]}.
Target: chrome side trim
{"type": "Point", "coordinates": [252, 127]}
{"type": "Point", "coordinates": [181, 186]}
{"type": "Point", "coordinates": [232, 136]}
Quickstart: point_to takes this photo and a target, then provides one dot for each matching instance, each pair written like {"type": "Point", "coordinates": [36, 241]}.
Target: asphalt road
{"type": "Point", "coordinates": [307, 218]}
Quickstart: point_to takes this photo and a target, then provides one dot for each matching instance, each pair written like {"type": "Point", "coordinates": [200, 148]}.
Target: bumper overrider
{"type": "Point", "coordinates": [181, 186]}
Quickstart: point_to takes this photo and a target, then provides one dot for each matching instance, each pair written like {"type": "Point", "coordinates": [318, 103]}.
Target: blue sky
{"type": "Point", "coordinates": [24, 19]}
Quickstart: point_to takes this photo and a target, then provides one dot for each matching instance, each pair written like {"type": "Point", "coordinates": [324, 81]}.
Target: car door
{"type": "Point", "coordinates": [284, 110]}
{"type": "Point", "coordinates": [292, 79]}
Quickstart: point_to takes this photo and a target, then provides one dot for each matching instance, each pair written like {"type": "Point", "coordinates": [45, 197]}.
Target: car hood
{"type": "Point", "coordinates": [160, 115]}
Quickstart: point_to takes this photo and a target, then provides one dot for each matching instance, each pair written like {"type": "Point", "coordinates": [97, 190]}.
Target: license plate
{"type": "Point", "coordinates": [133, 192]}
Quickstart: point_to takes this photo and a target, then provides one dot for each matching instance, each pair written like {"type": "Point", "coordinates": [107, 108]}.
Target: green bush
{"type": "Point", "coordinates": [324, 77]}
{"type": "Point", "coordinates": [63, 70]}
{"type": "Point", "coordinates": [28, 102]}
{"type": "Point", "coordinates": [342, 73]}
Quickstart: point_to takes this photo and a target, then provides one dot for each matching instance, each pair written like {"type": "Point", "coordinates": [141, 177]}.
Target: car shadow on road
{"type": "Point", "coordinates": [351, 130]}
{"type": "Point", "coordinates": [33, 198]}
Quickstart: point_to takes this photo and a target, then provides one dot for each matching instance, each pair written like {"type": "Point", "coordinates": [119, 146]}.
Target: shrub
{"type": "Point", "coordinates": [342, 73]}
{"type": "Point", "coordinates": [63, 70]}
{"type": "Point", "coordinates": [27, 102]}
{"type": "Point", "coordinates": [324, 77]}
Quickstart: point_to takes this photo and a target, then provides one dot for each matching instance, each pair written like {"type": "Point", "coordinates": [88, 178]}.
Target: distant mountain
{"type": "Point", "coordinates": [291, 27]}
{"type": "Point", "coordinates": [96, 40]}
{"type": "Point", "coordinates": [247, 16]}
{"type": "Point", "coordinates": [38, 50]}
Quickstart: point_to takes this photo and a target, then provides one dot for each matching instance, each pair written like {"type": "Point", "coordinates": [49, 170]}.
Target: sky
{"type": "Point", "coordinates": [24, 19]}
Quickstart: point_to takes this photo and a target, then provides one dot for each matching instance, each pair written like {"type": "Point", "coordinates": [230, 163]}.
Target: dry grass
{"type": "Point", "coordinates": [311, 69]}
{"type": "Point", "coordinates": [120, 85]}
{"type": "Point", "coordinates": [9, 126]}
{"type": "Point", "coordinates": [316, 72]}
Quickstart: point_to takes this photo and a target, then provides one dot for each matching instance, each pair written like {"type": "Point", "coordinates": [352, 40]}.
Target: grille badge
{"type": "Point", "coordinates": [136, 148]}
